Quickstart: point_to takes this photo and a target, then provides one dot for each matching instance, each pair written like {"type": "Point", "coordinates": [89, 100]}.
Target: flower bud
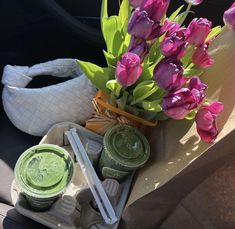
{"type": "Point", "coordinates": [170, 27]}
{"type": "Point", "coordinates": [141, 26]}
{"type": "Point", "coordinates": [169, 74]}
{"type": "Point", "coordinates": [199, 30]}
{"type": "Point", "coordinates": [179, 104]}
{"type": "Point", "coordinates": [175, 45]}
{"type": "Point", "coordinates": [128, 69]}
{"type": "Point", "coordinates": [206, 121]}
{"type": "Point", "coordinates": [156, 9]}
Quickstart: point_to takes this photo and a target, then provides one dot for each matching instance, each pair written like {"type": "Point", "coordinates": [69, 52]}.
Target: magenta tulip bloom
{"type": "Point", "coordinates": [141, 26]}
{"type": "Point", "coordinates": [194, 2]}
{"type": "Point", "coordinates": [229, 17]}
{"type": "Point", "coordinates": [139, 47]}
{"type": "Point", "coordinates": [175, 45]}
{"type": "Point", "coordinates": [156, 9]}
{"type": "Point", "coordinates": [199, 30]}
{"type": "Point", "coordinates": [128, 69]}
{"type": "Point", "coordinates": [169, 74]}
{"type": "Point", "coordinates": [197, 89]}
{"type": "Point", "coordinates": [170, 27]}
{"type": "Point", "coordinates": [201, 57]}
{"type": "Point", "coordinates": [206, 121]}
{"type": "Point", "coordinates": [156, 31]}
{"type": "Point", "coordinates": [179, 104]}
{"type": "Point", "coordinates": [136, 3]}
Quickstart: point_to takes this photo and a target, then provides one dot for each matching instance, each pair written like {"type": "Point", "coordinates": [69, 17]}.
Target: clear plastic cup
{"type": "Point", "coordinates": [43, 172]}
{"type": "Point", "coordinates": [125, 149]}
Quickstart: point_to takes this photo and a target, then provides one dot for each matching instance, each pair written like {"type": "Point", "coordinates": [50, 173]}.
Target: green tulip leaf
{"type": "Point", "coordinates": [112, 34]}
{"type": "Point", "coordinates": [110, 59]}
{"type": "Point", "coordinates": [160, 93]}
{"type": "Point", "coordinates": [115, 87]}
{"type": "Point", "coordinates": [181, 17]}
{"type": "Point", "coordinates": [152, 105]}
{"type": "Point", "coordinates": [125, 44]}
{"type": "Point", "coordinates": [214, 32]}
{"type": "Point", "coordinates": [191, 115]}
{"type": "Point", "coordinates": [154, 52]}
{"type": "Point", "coordinates": [147, 73]}
{"type": "Point", "coordinates": [122, 101]}
{"type": "Point", "coordinates": [114, 28]}
{"type": "Point", "coordinates": [97, 75]}
{"type": "Point", "coordinates": [104, 10]}
{"type": "Point", "coordinates": [193, 71]}
{"type": "Point", "coordinates": [175, 13]}
{"type": "Point", "coordinates": [124, 15]}
{"type": "Point", "coordinates": [143, 90]}
{"type": "Point", "coordinates": [188, 56]}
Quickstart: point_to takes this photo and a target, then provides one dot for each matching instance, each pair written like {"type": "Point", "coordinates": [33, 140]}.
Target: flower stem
{"type": "Point", "coordinates": [186, 13]}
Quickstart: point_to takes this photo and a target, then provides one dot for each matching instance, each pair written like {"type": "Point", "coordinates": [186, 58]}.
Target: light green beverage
{"type": "Point", "coordinates": [43, 172]}
{"type": "Point", "coordinates": [125, 149]}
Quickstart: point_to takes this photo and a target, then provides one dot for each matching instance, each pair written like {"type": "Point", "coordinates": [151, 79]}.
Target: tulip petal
{"type": "Point", "coordinates": [216, 107]}
{"type": "Point", "coordinates": [199, 30]}
{"type": "Point", "coordinates": [208, 136]}
{"type": "Point", "coordinates": [128, 69]}
{"type": "Point", "coordinates": [206, 121]}
{"type": "Point", "coordinates": [229, 17]}
{"type": "Point", "coordinates": [169, 74]}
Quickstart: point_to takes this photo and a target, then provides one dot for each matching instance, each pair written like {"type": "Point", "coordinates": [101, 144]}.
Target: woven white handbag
{"type": "Point", "coordinates": [34, 111]}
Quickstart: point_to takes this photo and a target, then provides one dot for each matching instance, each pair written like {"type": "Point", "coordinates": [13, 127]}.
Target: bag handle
{"type": "Point", "coordinates": [20, 76]}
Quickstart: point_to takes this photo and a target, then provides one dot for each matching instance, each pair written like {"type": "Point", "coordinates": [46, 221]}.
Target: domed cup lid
{"type": "Point", "coordinates": [44, 170]}
{"type": "Point", "coordinates": [127, 146]}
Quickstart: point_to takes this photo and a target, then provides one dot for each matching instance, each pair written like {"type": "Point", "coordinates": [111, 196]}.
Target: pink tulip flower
{"type": "Point", "coordinates": [141, 26]}
{"type": "Point", "coordinates": [206, 121]}
{"type": "Point", "coordinates": [169, 74]}
{"type": "Point", "coordinates": [175, 44]}
{"type": "Point", "coordinates": [170, 27]}
{"type": "Point", "coordinates": [156, 9]}
{"type": "Point", "coordinates": [179, 104]}
{"type": "Point", "coordinates": [128, 69]}
{"type": "Point", "coordinates": [199, 30]}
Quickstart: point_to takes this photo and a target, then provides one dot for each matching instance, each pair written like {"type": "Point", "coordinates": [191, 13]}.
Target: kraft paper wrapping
{"type": "Point", "coordinates": [179, 160]}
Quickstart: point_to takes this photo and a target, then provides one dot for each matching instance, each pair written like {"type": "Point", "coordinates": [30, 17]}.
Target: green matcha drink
{"type": "Point", "coordinates": [125, 149]}
{"type": "Point", "coordinates": [42, 173]}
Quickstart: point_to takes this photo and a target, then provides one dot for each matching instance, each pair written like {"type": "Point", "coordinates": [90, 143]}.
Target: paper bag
{"type": "Point", "coordinates": [179, 160]}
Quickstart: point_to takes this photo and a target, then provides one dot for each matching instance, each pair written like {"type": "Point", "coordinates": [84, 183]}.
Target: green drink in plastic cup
{"type": "Point", "coordinates": [125, 149]}
{"type": "Point", "coordinates": [43, 172]}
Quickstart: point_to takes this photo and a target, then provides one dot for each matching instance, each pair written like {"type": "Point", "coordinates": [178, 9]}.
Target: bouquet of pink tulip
{"type": "Point", "coordinates": [154, 63]}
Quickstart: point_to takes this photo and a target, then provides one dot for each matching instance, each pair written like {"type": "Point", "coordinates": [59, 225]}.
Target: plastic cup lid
{"type": "Point", "coordinates": [127, 146]}
{"type": "Point", "coordinates": [44, 170]}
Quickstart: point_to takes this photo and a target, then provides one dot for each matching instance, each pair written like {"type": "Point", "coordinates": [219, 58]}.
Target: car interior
{"type": "Point", "coordinates": [38, 31]}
